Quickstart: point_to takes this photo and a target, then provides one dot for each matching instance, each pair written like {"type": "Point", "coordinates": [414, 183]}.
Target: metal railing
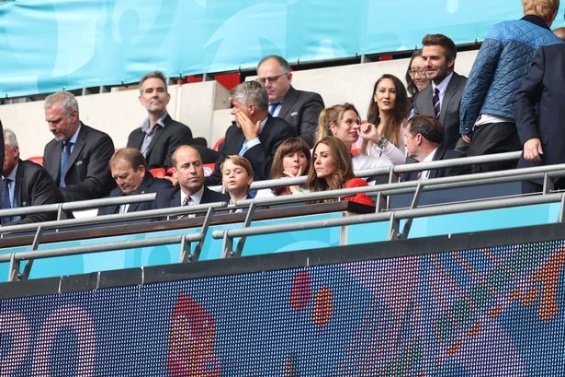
{"type": "Point", "coordinates": [380, 192]}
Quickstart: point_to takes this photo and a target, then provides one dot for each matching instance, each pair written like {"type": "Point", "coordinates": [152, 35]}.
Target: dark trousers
{"type": "Point", "coordinates": [492, 138]}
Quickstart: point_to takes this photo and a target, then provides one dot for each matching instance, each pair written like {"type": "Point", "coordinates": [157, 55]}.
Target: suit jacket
{"type": "Point", "coordinates": [163, 144]}
{"type": "Point", "coordinates": [442, 154]}
{"type": "Point", "coordinates": [449, 115]}
{"type": "Point", "coordinates": [148, 185]}
{"type": "Point", "coordinates": [87, 175]}
{"type": "Point", "coordinates": [172, 198]}
{"type": "Point", "coordinates": [540, 104]}
{"type": "Point", "coordinates": [301, 110]}
{"type": "Point", "coordinates": [34, 187]}
{"type": "Point", "coordinates": [275, 131]}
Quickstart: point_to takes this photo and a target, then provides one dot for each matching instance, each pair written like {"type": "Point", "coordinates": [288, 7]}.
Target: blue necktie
{"type": "Point", "coordinates": [273, 107]}
{"type": "Point", "coordinates": [6, 203]}
{"type": "Point", "coordinates": [65, 158]}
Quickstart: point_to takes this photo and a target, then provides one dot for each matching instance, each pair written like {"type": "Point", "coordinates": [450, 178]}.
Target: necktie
{"type": "Point", "coordinates": [436, 104]}
{"type": "Point", "coordinates": [6, 203]}
{"type": "Point", "coordinates": [273, 107]}
{"type": "Point", "coordinates": [186, 202]}
{"type": "Point", "coordinates": [65, 158]}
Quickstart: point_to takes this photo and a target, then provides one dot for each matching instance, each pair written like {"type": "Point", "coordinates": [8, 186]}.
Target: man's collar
{"type": "Point", "coordinates": [197, 196]}
{"type": "Point", "coordinates": [145, 126]}
{"type": "Point", "coordinates": [442, 86]}
{"type": "Point", "coordinates": [536, 20]}
{"type": "Point", "coordinates": [74, 138]}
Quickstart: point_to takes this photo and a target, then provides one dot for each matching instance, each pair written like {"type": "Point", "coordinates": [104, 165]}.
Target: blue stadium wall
{"type": "Point", "coordinates": [480, 304]}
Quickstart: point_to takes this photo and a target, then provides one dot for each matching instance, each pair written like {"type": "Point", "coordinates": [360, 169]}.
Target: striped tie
{"type": "Point", "coordinates": [436, 104]}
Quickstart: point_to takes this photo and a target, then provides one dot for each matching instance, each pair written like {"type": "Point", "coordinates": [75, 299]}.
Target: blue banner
{"type": "Point", "coordinates": [50, 45]}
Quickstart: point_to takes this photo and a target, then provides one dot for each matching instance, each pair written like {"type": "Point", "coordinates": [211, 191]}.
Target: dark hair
{"type": "Point", "coordinates": [153, 75]}
{"type": "Point", "coordinates": [282, 62]}
{"type": "Point", "coordinates": [427, 126]}
{"type": "Point", "coordinates": [343, 171]}
{"type": "Point", "coordinates": [410, 86]}
{"type": "Point", "coordinates": [443, 41]}
{"type": "Point", "coordinates": [131, 155]}
{"type": "Point", "coordinates": [399, 113]}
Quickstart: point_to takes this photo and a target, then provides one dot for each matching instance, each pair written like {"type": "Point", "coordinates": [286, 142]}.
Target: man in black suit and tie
{"type": "Point", "coordinates": [77, 158]}
{"type": "Point", "coordinates": [255, 133]}
{"type": "Point", "coordinates": [159, 135]}
{"type": "Point", "coordinates": [132, 177]}
{"type": "Point", "coordinates": [540, 113]}
{"type": "Point", "coordinates": [443, 97]}
{"type": "Point", "coordinates": [299, 108]}
{"type": "Point", "coordinates": [25, 184]}
{"type": "Point", "coordinates": [422, 138]}
{"type": "Point", "coordinates": [189, 172]}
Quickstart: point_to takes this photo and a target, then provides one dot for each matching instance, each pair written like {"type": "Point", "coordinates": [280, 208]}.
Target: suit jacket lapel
{"type": "Point", "coordinates": [448, 96]}
{"type": "Point", "coordinates": [81, 140]}
{"type": "Point", "coordinates": [18, 192]}
{"type": "Point", "coordinates": [288, 102]}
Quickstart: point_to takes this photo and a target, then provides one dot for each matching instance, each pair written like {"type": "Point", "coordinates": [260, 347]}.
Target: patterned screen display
{"type": "Point", "coordinates": [486, 312]}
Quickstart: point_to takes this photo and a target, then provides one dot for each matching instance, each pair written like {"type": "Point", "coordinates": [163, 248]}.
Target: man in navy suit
{"type": "Point", "coordinates": [159, 135]}
{"type": "Point", "coordinates": [422, 139]}
{"type": "Point", "coordinates": [540, 112]}
{"type": "Point", "coordinates": [132, 177]}
{"type": "Point", "coordinates": [255, 134]}
{"type": "Point", "coordinates": [25, 184]}
{"type": "Point", "coordinates": [447, 86]}
{"type": "Point", "coordinates": [189, 172]}
{"type": "Point", "coordinates": [77, 158]}
{"type": "Point", "coordinates": [298, 108]}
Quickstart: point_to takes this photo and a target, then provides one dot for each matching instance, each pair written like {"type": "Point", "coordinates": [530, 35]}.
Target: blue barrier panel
{"type": "Point", "coordinates": [487, 311]}
{"type": "Point", "coordinates": [278, 242]}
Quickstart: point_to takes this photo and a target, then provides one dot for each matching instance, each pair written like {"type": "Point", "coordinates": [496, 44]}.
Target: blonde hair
{"type": "Point", "coordinates": [333, 115]}
{"type": "Point", "coordinates": [545, 9]}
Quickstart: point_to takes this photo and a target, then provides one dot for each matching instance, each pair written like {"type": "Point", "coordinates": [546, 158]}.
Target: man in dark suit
{"type": "Point", "coordinates": [255, 135]}
{"type": "Point", "coordinates": [77, 158]}
{"type": "Point", "coordinates": [422, 139]}
{"type": "Point", "coordinates": [189, 172]}
{"type": "Point", "coordinates": [443, 97]}
{"type": "Point", "coordinates": [298, 108]}
{"type": "Point", "coordinates": [132, 177]}
{"type": "Point", "coordinates": [540, 112]}
{"type": "Point", "coordinates": [25, 184]}
{"type": "Point", "coordinates": [159, 135]}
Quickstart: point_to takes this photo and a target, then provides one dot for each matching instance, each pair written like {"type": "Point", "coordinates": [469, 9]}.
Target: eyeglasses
{"type": "Point", "coordinates": [271, 79]}
{"type": "Point", "coordinates": [417, 72]}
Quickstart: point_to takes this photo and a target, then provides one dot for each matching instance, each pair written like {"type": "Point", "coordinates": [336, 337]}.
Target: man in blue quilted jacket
{"type": "Point", "coordinates": [487, 120]}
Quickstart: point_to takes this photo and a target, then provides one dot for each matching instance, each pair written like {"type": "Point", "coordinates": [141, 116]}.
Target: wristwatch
{"type": "Point", "coordinates": [382, 142]}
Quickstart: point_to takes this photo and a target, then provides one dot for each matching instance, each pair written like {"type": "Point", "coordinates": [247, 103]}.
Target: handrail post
{"type": "Point", "coordinates": [561, 216]}
{"type": "Point", "coordinates": [547, 184]}
{"type": "Point", "coordinates": [227, 247]}
{"type": "Point", "coordinates": [394, 225]}
{"type": "Point", "coordinates": [414, 204]}
{"type": "Point", "coordinates": [185, 255]}
{"type": "Point", "coordinates": [246, 224]}
{"type": "Point", "coordinates": [14, 268]}
{"type": "Point", "coordinates": [203, 232]}
{"type": "Point", "coordinates": [34, 246]}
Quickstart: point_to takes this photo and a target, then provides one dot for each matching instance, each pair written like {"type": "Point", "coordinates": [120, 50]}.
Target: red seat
{"type": "Point", "coordinates": [36, 159]}
{"type": "Point", "coordinates": [158, 172]}
{"type": "Point", "coordinates": [209, 169]}
{"type": "Point", "coordinates": [218, 143]}
{"type": "Point", "coordinates": [228, 80]}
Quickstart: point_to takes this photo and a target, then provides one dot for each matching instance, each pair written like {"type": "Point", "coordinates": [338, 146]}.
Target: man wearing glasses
{"type": "Point", "coordinates": [487, 119]}
{"type": "Point", "coordinates": [298, 108]}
